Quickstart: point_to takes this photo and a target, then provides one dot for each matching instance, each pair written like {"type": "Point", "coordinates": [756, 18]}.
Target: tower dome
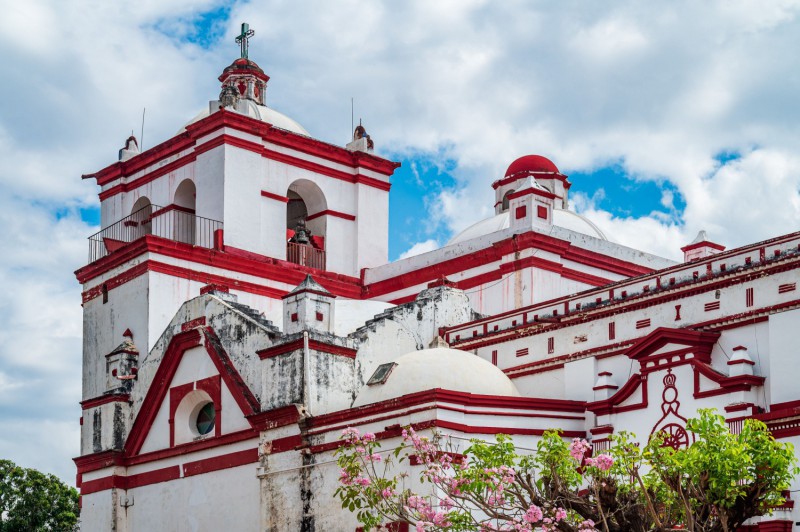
{"type": "Point", "coordinates": [532, 164]}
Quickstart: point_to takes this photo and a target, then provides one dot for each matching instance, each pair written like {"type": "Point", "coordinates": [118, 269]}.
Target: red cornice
{"type": "Point", "coordinates": [143, 160]}
{"type": "Point", "coordinates": [277, 417]}
{"type": "Point", "coordinates": [519, 176]}
{"type": "Point", "coordinates": [105, 399]}
{"type": "Point", "coordinates": [281, 349]}
{"type": "Point", "coordinates": [531, 190]}
{"type": "Point", "coordinates": [95, 461]}
{"type": "Point", "coordinates": [166, 474]}
{"type": "Point", "coordinates": [315, 345]}
{"type": "Point", "coordinates": [441, 395]}
{"type": "Point", "coordinates": [231, 259]}
{"type": "Point", "coordinates": [633, 303]}
{"type": "Point", "coordinates": [495, 253]}
{"type": "Point", "coordinates": [703, 244]}
{"type": "Point", "coordinates": [228, 119]}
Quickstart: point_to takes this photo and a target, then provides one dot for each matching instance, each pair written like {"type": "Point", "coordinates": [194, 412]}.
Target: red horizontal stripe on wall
{"type": "Point", "coordinates": [277, 197]}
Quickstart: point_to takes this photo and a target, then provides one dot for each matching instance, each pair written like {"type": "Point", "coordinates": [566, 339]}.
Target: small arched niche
{"type": "Point", "coordinates": [182, 219]}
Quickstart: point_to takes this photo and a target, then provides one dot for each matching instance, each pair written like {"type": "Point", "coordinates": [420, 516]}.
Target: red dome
{"type": "Point", "coordinates": [532, 163]}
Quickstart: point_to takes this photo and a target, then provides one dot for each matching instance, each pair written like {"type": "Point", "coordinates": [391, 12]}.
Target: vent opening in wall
{"type": "Point", "coordinates": [205, 419]}
{"type": "Point", "coordinates": [381, 374]}
{"type": "Point", "coordinates": [104, 291]}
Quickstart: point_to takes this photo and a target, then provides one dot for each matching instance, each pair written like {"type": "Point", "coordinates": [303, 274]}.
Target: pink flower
{"type": "Point", "coordinates": [387, 492]}
{"type": "Point", "coordinates": [603, 462]}
{"type": "Point", "coordinates": [368, 437]}
{"type": "Point", "coordinates": [587, 525]}
{"type": "Point", "coordinates": [578, 449]}
{"type": "Point", "coordinates": [533, 515]}
{"type": "Point", "coordinates": [560, 514]}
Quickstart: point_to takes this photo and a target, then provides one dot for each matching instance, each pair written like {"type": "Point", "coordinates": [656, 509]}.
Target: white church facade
{"type": "Point", "coordinates": [240, 311]}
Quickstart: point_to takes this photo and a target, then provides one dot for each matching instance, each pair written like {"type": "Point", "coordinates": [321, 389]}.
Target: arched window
{"type": "Point", "coordinates": [506, 200]}
{"type": "Point", "coordinates": [306, 224]}
{"type": "Point", "coordinates": [182, 215]}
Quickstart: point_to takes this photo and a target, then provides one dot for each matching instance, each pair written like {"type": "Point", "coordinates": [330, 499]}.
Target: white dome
{"type": "Point", "coordinates": [440, 367]}
{"type": "Point", "coordinates": [259, 112]}
{"type": "Point", "coordinates": [561, 218]}
{"type": "Point", "coordinates": [575, 222]}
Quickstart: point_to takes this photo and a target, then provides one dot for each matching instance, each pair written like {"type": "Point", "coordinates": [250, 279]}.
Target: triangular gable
{"type": "Point", "coordinates": [228, 378]}
{"type": "Point", "coordinates": [666, 347]}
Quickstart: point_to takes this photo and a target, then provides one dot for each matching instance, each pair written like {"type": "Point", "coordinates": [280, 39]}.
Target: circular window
{"type": "Point", "coordinates": [205, 419]}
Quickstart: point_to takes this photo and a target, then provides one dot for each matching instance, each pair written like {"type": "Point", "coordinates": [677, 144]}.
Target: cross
{"type": "Point", "coordinates": [243, 37]}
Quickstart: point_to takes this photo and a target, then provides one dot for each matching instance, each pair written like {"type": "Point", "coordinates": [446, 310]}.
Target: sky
{"type": "Point", "coordinates": [669, 118]}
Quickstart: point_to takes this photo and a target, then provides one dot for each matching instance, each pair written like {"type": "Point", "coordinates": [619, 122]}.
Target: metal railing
{"type": "Point", "coordinates": [305, 255]}
{"type": "Point", "coordinates": [173, 223]}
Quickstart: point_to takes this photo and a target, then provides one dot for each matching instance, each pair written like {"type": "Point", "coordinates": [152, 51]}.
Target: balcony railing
{"type": "Point", "coordinates": [171, 222]}
{"type": "Point", "coordinates": [305, 255]}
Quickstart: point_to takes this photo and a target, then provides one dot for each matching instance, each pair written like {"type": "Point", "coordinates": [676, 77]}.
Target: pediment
{"type": "Point", "coordinates": [196, 396]}
{"type": "Point", "coordinates": [667, 347]}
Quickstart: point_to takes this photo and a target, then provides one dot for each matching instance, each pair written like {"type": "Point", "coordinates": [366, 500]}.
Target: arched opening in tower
{"type": "Point", "coordinates": [306, 224]}
{"type": "Point", "coordinates": [140, 221]}
{"type": "Point", "coordinates": [181, 218]}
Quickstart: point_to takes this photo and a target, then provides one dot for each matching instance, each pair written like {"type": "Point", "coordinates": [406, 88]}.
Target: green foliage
{"type": "Point", "coordinates": [32, 501]}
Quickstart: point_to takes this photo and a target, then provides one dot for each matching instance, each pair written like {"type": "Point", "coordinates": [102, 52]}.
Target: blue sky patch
{"type": "Point", "coordinates": [623, 196]}
{"type": "Point", "coordinates": [202, 29]}
{"type": "Point", "coordinates": [414, 185]}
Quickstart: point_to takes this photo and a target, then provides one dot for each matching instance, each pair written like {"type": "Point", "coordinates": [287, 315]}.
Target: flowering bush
{"type": "Point", "coordinates": [492, 486]}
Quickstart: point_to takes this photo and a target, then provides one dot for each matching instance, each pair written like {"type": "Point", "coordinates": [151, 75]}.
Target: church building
{"type": "Point", "coordinates": [240, 310]}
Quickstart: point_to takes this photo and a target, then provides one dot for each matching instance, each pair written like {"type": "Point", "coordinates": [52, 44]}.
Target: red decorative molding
{"type": "Point", "coordinates": [714, 305]}
{"type": "Point", "coordinates": [611, 404]}
{"type": "Point", "coordinates": [314, 345]}
{"type": "Point", "coordinates": [697, 343]}
{"type": "Point", "coordinates": [94, 402]}
{"type": "Point", "coordinates": [703, 244]}
{"type": "Point", "coordinates": [214, 288]}
{"type": "Point", "coordinates": [166, 474]}
{"type": "Point", "coordinates": [217, 463]}
{"type": "Point", "coordinates": [159, 386]}
{"type": "Point", "coordinates": [788, 287]}
{"type": "Point", "coordinates": [193, 324]}
{"type": "Point", "coordinates": [541, 212]}
{"type": "Point", "coordinates": [277, 197]}
{"type": "Point", "coordinates": [439, 396]}
{"type": "Point", "coordinates": [278, 417]}
{"type": "Point", "coordinates": [335, 214]}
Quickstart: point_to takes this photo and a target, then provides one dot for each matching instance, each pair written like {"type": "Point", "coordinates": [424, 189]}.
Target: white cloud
{"type": "Point", "coordinates": [659, 88]}
{"type": "Point", "coordinates": [419, 248]}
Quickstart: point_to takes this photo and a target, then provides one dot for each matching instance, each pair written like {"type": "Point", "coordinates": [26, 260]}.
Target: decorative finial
{"type": "Point", "coordinates": [243, 39]}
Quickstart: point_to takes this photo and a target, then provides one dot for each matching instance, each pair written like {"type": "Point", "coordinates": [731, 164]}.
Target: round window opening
{"type": "Point", "coordinates": [206, 418]}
